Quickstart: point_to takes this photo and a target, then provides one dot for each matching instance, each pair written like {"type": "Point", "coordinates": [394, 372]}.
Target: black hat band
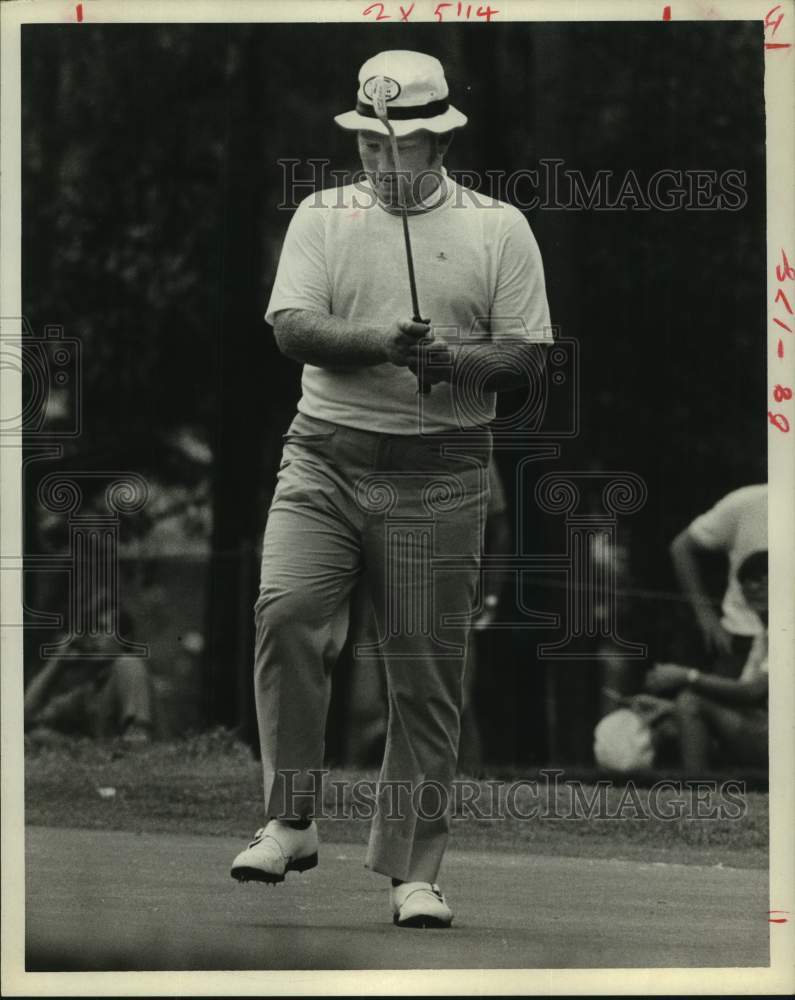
{"type": "Point", "coordinates": [405, 114]}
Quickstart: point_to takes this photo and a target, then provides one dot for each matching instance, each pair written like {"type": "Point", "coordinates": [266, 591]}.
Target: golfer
{"type": "Point", "coordinates": [380, 479]}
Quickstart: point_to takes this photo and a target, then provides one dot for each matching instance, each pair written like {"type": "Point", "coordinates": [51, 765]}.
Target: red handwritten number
{"type": "Point", "coordinates": [783, 325]}
{"type": "Point", "coordinates": [438, 12]}
{"type": "Point", "coordinates": [405, 14]}
{"type": "Point", "coordinates": [79, 12]}
{"type": "Point", "coordinates": [780, 348]}
{"type": "Point", "coordinates": [486, 12]}
{"type": "Point", "coordinates": [778, 420]}
{"type": "Point", "coordinates": [380, 16]}
{"type": "Point", "coordinates": [775, 24]}
{"type": "Point", "coordinates": [770, 23]}
{"type": "Point", "coordinates": [666, 13]}
{"type": "Point", "coordinates": [782, 392]}
{"type": "Point", "coordinates": [781, 297]}
{"type": "Point", "coordinates": [785, 271]}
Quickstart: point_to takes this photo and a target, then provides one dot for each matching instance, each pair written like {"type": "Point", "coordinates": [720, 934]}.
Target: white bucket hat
{"type": "Point", "coordinates": [416, 95]}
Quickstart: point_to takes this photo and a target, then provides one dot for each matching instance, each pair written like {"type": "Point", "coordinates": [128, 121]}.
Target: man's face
{"type": "Point", "coordinates": [420, 164]}
{"type": "Point", "coordinates": [755, 593]}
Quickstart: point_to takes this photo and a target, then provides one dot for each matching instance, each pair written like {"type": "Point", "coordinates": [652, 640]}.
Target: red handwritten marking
{"type": "Point", "coordinates": [785, 270]}
{"type": "Point", "coordinates": [79, 12]}
{"type": "Point", "coordinates": [380, 16]}
{"type": "Point", "coordinates": [769, 22]}
{"type": "Point", "coordinates": [774, 24]}
{"type": "Point", "coordinates": [486, 12]}
{"type": "Point", "coordinates": [405, 14]}
{"type": "Point", "coordinates": [777, 920]}
{"type": "Point", "coordinates": [666, 13]}
{"type": "Point", "coordinates": [781, 297]}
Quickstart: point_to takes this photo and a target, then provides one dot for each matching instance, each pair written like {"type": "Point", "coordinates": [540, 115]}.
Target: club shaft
{"type": "Point", "coordinates": [404, 215]}
{"type": "Point", "coordinates": [410, 261]}
{"type": "Point", "coordinates": [422, 386]}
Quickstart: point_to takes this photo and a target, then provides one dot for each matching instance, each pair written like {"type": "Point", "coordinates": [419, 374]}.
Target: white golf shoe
{"type": "Point", "coordinates": [419, 904]}
{"type": "Point", "coordinates": [275, 850]}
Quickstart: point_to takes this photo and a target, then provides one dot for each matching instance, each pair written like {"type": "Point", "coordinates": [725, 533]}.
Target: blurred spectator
{"type": "Point", "coordinates": [720, 712]}
{"type": "Point", "coordinates": [617, 613]}
{"type": "Point", "coordinates": [367, 708]}
{"type": "Point", "coordinates": [735, 527]}
{"type": "Point", "coordinates": [95, 695]}
{"type": "Point", "coordinates": [622, 676]}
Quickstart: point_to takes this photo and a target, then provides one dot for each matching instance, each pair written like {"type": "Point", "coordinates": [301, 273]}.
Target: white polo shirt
{"type": "Point", "coordinates": [478, 270]}
{"type": "Point", "coordinates": [737, 526]}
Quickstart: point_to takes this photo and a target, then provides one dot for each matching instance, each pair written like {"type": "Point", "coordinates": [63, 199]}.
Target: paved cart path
{"type": "Point", "coordinates": [124, 901]}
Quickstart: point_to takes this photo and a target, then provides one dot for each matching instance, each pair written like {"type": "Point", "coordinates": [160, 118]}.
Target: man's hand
{"type": "Point", "coordinates": [437, 362]}
{"type": "Point", "coordinates": [666, 677]}
{"type": "Point", "coordinates": [651, 707]}
{"type": "Point", "coordinates": [716, 639]}
{"type": "Point", "coordinates": [403, 340]}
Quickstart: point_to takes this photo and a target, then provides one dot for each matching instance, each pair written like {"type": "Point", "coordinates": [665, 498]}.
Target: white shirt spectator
{"type": "Point", "coordinates": [736, 526]}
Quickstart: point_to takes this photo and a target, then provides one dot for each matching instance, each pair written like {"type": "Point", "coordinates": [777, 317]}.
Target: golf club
{"type": "Point", "coordinates": [379, 106]}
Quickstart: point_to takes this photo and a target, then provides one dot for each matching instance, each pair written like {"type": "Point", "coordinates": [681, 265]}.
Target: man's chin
{"type": "Point", "coordinates": [391, 199]}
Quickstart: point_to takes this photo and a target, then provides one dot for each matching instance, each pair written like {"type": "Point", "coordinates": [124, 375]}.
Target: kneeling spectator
{"type": "Point", "coordinates": [712, 710]}
{"type": "Point", "coordinates": [96, 696]}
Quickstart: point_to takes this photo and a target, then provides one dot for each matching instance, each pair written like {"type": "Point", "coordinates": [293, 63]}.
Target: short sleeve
{"type": "Point", "coordinates": [717, 528]}
{"type": "Point", "coordinates": [302, 276]}
{"type": "Point", "coordinates": [520, 301]}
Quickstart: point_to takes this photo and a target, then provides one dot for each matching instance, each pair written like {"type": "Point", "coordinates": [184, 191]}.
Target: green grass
{"type": "Point", "coordinates": [210, 784]}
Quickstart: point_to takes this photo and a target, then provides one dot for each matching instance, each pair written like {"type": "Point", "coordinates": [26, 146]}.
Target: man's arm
{"type": "Point", "coordinates": [732, 692]}
{"type": "Point", "coordinates": [505, 364]}
{"type": "Point", "coordinates": [508, 363]}
{"type": "Point", "coordinates": [316, 338]}
{"type": "Point", "coordinates": [671, 677]}
{"type": "Point", "coordinates": [685, 556]}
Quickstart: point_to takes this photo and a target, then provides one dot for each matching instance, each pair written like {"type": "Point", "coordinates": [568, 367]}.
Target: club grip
{"type": "Point", "coordinates": [423, 388]}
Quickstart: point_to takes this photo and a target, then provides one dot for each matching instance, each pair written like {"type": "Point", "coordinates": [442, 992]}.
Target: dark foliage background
{"type": "Point", "coordinates": [151, 232]}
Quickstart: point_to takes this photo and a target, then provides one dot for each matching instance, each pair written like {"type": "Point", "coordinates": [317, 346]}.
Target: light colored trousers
{"type": "Point", "coordinates": [408, 512]}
